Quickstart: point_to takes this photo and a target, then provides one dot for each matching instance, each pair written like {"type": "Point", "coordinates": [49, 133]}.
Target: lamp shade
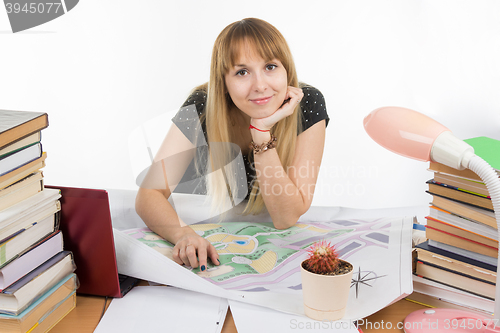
{"type": "Point", "coordinates": [412, 134]}
{"type": "Point", "coordinates": [403, 131]}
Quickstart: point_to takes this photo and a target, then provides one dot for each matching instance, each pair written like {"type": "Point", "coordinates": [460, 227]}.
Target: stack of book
{"type": "Point", "coordinates": [458, 262]}
{"type": "Point", "coordinates": [37, 280]}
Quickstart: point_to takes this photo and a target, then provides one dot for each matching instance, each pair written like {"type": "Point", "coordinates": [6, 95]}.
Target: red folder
{"type": "Point", "coordinates": [88, 233]}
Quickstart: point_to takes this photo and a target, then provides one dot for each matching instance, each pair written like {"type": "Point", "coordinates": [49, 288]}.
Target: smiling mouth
{"type": "Point", "coordinates": [261, 101]}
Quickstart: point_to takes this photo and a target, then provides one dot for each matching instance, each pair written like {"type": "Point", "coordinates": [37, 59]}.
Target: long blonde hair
{"type": "Point", "coordinates": [268, 42]}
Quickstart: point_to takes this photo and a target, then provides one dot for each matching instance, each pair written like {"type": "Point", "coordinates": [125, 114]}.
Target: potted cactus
{"type": "Point", "coordinates": [326, 281]}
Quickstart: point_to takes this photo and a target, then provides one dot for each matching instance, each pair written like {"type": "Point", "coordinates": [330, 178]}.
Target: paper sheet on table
{"type": "Point", "coordinates": [273, 321]}
{"type": "Point", "coordinates": [162, 309]}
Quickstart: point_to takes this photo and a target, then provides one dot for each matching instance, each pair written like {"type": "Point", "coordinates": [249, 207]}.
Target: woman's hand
{"type": "Point", "coordinates": [292, 98]}
{"type": "Point", "coordinates": [192, 250]}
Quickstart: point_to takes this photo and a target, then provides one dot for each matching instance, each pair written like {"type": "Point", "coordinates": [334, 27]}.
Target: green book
{"type": "Point", "coordinates": [488, 149]}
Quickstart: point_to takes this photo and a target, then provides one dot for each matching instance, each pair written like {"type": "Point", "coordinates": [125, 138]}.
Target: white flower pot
{"type": "Point", "coordinates": [325, 296]}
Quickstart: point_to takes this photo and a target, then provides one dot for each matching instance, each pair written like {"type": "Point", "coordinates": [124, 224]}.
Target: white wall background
{"type": "Point", "coordinates": [106, 67]}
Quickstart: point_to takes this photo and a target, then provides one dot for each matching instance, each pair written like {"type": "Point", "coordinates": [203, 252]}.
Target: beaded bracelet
{"type": "Point", "coordinates": [265, 146]}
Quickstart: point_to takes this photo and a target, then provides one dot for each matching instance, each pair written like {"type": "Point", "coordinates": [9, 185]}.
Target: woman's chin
{"type": "Point", "coordinates": [261, 111]}
{"type": "Point", "coordinates": [265, 112]}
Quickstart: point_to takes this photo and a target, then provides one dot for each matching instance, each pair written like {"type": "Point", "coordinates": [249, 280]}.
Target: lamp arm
{"type": "Point", "coordinates": [492, 182]}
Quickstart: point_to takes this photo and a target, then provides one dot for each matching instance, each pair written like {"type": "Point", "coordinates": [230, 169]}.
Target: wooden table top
{"type": "Point", "coordinates": [89, 309]}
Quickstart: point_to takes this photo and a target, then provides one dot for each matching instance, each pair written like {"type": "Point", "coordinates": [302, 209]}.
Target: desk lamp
{"type": "Point", "coordinates": [412, 134]}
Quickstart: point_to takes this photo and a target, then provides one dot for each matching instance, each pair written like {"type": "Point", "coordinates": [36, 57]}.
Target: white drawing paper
{"type": "Point", "coordinates": [260, 264]}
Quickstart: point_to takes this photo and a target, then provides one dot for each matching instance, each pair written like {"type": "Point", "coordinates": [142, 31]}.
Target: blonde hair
{"type": "Point", "coordinates": [267, 42]}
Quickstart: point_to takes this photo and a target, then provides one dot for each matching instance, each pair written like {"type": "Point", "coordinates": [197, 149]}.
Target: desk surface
{"type": "Point", "coordinates": [85, 317]}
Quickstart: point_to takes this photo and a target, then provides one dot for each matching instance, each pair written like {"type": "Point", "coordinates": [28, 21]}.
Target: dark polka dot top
{"type": "Point", "coordinates": [313, 110]}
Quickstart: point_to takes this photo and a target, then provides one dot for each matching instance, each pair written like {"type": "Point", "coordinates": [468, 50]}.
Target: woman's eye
{"type": "Point", "coordinates": [241, 72]}
{"type": "Point", "coordinates": [270, 67]}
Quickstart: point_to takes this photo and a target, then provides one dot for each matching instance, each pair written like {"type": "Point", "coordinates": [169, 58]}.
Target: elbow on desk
{"type": "Point", "coordinates": [285, 222]}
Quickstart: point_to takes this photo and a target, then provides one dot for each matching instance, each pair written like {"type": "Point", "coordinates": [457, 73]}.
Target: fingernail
{"type": "Point", "coordinates": [202, 268]}
{"type": "Point", "coordinates": [218, 261]}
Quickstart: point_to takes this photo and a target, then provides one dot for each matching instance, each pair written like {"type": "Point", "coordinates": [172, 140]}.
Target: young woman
{"type": "Point", "coordinates": [253, 100]}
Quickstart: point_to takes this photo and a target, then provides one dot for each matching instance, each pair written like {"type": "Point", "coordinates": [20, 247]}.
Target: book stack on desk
{"type": "Point", "coordinates": [37, 283]}
{"type": "Point", "coordinates": [462, 247]}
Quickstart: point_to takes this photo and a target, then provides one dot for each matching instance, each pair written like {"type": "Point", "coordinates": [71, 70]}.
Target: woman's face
{"type": "Point", "coordinates": [258, 88]}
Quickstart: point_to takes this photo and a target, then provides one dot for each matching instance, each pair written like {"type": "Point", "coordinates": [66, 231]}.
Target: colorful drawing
{"type": "Point", "coordinates": [258, 257]}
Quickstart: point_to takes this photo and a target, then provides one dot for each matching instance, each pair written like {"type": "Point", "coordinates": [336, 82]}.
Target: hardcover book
{"type": "Point", "coordinates": [26, 238]}
{"type": "Point", "coordinates": [463, 223]}
{"type": "Point", "coordinates": [21, 190]}
{"type": "Point", "coordinates": [456, 279]}
{"type": "Point", "coordinates": [458, 195]}
{"type": "Point", "coordinates": [16, 125]}
{"type": "Point", "coordinates": [467, 211]}
{"type": "Point", "coordinates": [462, 233]}
{"type": "Point", "coordinates": [18, 296]}
{"type": "Point", "coordinates": [47, 311]}
{"type": "Point", "coordinates": [451, 295]}
{"type": "Point", "coordinates": [460, 242]}
{"type": "Point", "coordinates": [456, 262]}
{"type": "Point", "coordinates": [23, 143]}
{"type": "Point", "coordinates": [31, 259]}
{"type": "Point", "coordinates": [464, 184]}
{"type": "Point", "coordinates": [465, 253]}
{"type": "Point", "coordinates": [19, 158]}
{"type": "Point", "coordinates": [29, 206]}
{"type": "Point", "coordinates": [22, 172]}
